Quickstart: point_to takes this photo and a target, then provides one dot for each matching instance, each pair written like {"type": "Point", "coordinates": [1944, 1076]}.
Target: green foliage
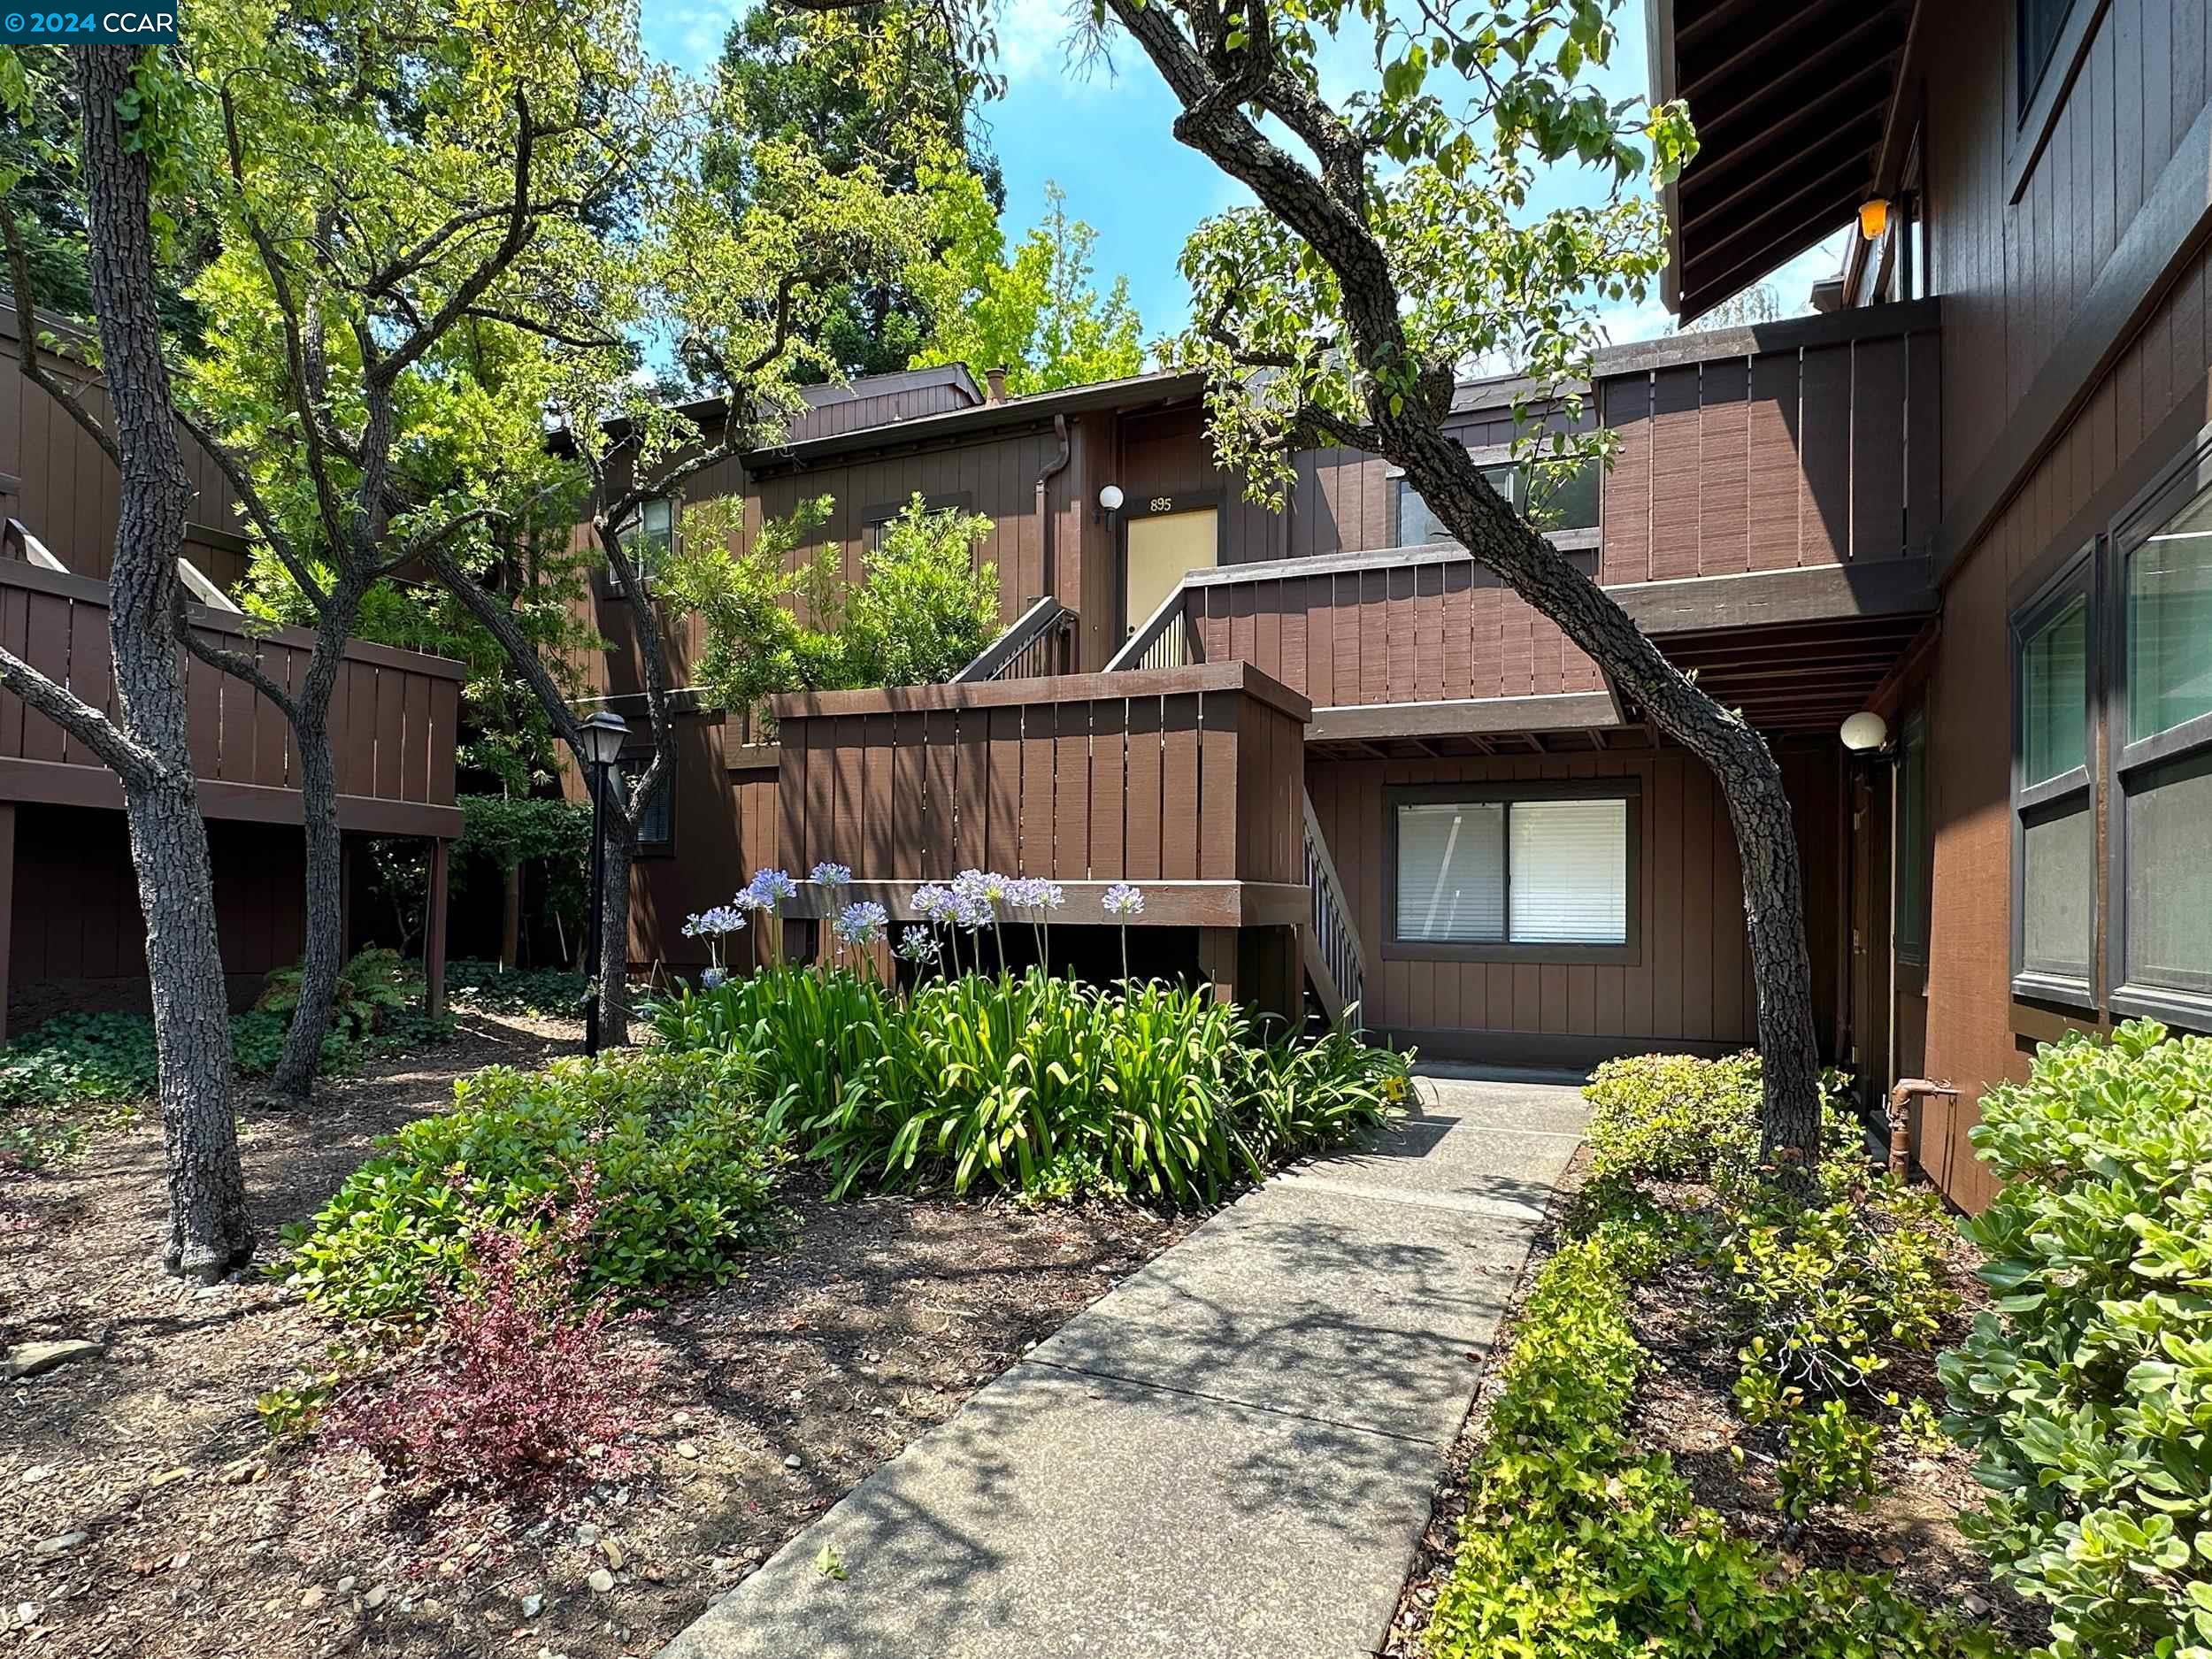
{"type": "Point", "coordinates": [1674, 1117]}
{"type": "Point", "coordinates": [1034, 1085]}
{"type": "Point", "coordinates": [1823, 1292]}
{"type": "Point", "coordinates": [2087, 1389]}
{"type": "Point", "coordinates": [545, 993]}
{"type": "Point", "coordinates": [680, 1169]}
{"type": "Point", "coordinates": [375, 985]}
{"type": "Point", "coordinates": [1577, 1544]}
{"type": "Point", "coordinates": [509, 830]}
{"type": "Point", "coordinates": [1828, 1457]}
{"type": "Point", "coordinates": [839, 85]}
{"type": "Point", "coordinates": [1469, 114]}
{"type": "Point", "coordinates": [925, 606]}
{"type": "Point", "coordinates": [1038, 315]}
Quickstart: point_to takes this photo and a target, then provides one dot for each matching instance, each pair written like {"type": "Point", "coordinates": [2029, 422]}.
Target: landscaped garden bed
{"type": "Point", "coordinates": [1741, 1414]}
{"type": "Point", "coordinates": [551, 1368]}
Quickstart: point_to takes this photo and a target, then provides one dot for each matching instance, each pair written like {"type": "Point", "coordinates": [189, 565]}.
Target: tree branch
{"type": "Point", "coordinates": [238, 664]}
{"type": "Point", "coordinates": [28, 352]}
{"type": "Point", "coordinates": [123, 755]}
{"type": "Point", "coordinates": [240, 479]}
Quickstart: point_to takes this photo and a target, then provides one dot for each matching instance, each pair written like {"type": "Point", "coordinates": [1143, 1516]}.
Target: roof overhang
{"type": "Point", "coordinates": [1790, 105]}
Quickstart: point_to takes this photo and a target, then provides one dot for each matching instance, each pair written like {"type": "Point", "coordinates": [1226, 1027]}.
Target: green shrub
{"type": "Point", "coordinates": [1674, 1117]}
{"type": "Point", "coordinates": [1031, 1084]}
{"type": "Point", "coordinates": [1824, 1291]}
{"type": "Point", "coordinates": [683, 1174]}
{"type": "Point", "coordinates": [2087, 1391]}
{"type": "Point", "coordinates": [1577, 1545]}
{"type": "Point", "coordinates": [541, 993]}
{"type": "Point", "coordinates": [1827, 1457]}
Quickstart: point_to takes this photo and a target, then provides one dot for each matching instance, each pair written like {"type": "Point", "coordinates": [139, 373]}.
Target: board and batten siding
{"type": "Point", "coordinates": [1413, 633]}
{"type": "Point", "coordinates": [1691, 987]}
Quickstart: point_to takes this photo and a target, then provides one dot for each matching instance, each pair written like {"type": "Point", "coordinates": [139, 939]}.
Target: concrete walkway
{"type": "Point", "coordinates": [1229, 1457]}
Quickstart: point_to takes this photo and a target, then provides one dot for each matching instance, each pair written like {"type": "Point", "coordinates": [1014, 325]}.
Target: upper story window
{"type": "Point", "coordinates": [2054, 833]}
{"type": "Point", "coordinates": [2036, 27]}
{"type": "Point", "coordinates": [1557, 499]}
{"type": "Point", "coordinates": [879, 519]}
{"type": "Point", "coordinates": [651, 533]}
{"type": "Point", "coordinates": [2161, 838]}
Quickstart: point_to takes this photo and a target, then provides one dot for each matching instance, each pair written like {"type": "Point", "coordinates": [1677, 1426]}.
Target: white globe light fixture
{"type": "Point", "coordinates": [1111, 497]}
{"type": "Point", "coordinates": [1865, 731]}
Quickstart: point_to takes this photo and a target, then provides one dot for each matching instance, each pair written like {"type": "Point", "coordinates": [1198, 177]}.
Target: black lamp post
{"type": "Point", "coordinates": [603, 733]}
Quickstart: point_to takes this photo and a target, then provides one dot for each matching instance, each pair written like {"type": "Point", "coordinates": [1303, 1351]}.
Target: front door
{"type": "Point", "coordinates": [1162, 548]}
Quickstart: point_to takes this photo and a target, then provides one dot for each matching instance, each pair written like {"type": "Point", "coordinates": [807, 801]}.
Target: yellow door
{"type": "Point", "coordinates": [1164, 546]}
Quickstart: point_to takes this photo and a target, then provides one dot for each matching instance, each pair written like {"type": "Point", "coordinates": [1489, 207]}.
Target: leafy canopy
{"type": "Point", "coordinates": [1038, 315]}
{"type": "Point", "coordinates": [1436, 163]}
{"type": "Point", "coordinates": [776, 619]}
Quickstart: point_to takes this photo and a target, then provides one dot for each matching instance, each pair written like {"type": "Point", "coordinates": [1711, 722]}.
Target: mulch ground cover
{"type": "Point", "coordinates": [144, 1508]}
{"type": "Point", "coordinates": [1686, 1407]}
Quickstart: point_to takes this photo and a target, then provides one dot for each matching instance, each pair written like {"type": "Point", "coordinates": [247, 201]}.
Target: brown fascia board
{"type": "Point", "coordinates": [1136, 392]}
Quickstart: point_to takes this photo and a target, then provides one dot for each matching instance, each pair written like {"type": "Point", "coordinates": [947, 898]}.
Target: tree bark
{"type": "Point", "coordinates": [614, 936]}
{"type": "Point", "coordinates": [510, 918]}
{"type": "Point", "coordinates": [323, 952]}
{"type": "Point", "coordinates": [208, 1232]}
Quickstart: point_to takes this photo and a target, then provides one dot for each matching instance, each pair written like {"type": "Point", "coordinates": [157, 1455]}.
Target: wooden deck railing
{"type": "Point", "coordinates": [1184, 782]}
{"type": "Point", "coordinates": [393, 720]}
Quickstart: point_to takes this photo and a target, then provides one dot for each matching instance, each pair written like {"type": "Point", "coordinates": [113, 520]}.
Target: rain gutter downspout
{"type": "Point", "coordinates": [1044, 517]}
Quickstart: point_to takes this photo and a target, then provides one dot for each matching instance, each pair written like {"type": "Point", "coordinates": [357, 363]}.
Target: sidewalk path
{"type": "Point", "coordinates": [1228, 1456]}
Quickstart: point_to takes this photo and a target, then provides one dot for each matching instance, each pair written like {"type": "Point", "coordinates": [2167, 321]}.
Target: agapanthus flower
{"type": "Point", "coordinates": [1123, 899]}
{"type": "Point", "coordinates": [748, 900]}
{"type": "Point", "coordinates": [985, 885]}
{"type": "Point", "coordinates": [1033, 893]}
{"type": "Point", "coordinates": [829, 875]}
{"type": "Point", "coordinates": [919, 944]}
{"type": "Point", "coordinates": [934, 903]}
{"type": "Point", "coordinates": [723, 919]}
{"type": "Point", "coordinates": [974, 914]}
{"type": "Point", "coordinates": [772, 886]}
{"type": "Point", "coordinates": [860, 924]}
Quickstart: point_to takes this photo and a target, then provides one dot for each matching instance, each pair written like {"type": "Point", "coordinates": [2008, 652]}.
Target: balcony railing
{"type": "Point", "coordinates": [1185, 781]}
{"type": "Point", "coordinates": [393, 719]}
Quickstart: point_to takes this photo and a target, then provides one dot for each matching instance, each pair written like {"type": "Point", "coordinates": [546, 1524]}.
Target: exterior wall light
{"type": "Point", "coordinates": [1874, 218]}
{"type": "Point", "coordinates": [1110, 497]}
{"type": "Point", "coordinates": [1865, 731]}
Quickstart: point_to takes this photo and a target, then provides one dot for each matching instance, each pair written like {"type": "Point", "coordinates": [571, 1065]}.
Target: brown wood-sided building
{"type": "Point", "coordinates": [71, 934]}
{"type": "Point", "coordinates": [1338, 757]}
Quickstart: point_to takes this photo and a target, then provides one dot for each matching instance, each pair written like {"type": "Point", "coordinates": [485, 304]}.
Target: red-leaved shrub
{"type": "Point", "coordinates": [517, 1391]}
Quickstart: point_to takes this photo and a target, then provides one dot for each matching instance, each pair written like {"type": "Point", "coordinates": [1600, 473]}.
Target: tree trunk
{"type": "Point", "coordinates": [322, 957]}
{"type": "Point", "coordinates": [510, 918]}
{"type": "Point", "coordinates": [1759, 809]}
{"type": "Point", "coordinates": [614, 937]}
{"type": "Point", "coordinates": [208, 1232]}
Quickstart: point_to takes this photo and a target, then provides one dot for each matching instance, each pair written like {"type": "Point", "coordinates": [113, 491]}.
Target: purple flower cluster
{"type": "Point", "coordinates": [723, 919]}
{"type": "Point", "coordinates": [1124, 900]}
{"type": "Point", "coordinates": [860, 924]}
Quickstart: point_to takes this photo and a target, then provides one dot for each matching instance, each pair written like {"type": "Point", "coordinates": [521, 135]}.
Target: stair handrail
{"type": "Point", "coordinates": [1334, 947]}
{"type": "Point", "coordinates": [1152, 646]}
{"type": "Point", "coordinates": [1045, 625]}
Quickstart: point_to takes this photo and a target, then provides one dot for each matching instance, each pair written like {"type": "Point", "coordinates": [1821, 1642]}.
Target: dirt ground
{"type": "Point", "coordinates": [143, 1509]}
{"type": "Point", "coordinates": [1685, 1406]}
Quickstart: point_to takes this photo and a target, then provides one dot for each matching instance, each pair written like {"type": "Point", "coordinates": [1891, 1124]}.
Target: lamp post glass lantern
{"type": "Point", "coordinates": [603, 733]}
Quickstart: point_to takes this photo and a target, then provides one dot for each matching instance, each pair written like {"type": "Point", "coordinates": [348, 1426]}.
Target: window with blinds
{"type": "Point", "coordinates": [1523, 870]}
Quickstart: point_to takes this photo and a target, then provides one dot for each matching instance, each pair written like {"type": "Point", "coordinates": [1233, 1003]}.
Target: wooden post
{"type": "Point", "coordinates": [1218, 960]}
{"type": "Point", "coordinates": [7, 904]}
{"type": "Point", "coordinates": [347, 851]}
{"type": "Point", "coordinates": [434, 933]}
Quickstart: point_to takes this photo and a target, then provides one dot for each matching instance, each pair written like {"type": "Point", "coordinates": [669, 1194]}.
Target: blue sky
{"type": "Point", "coordinates": [1107, 142]}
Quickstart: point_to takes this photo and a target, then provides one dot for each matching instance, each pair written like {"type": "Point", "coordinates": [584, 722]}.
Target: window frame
{"type": "Point", "coordinates": [874, 519]}
{"type": "Point", "coordinates": [2036, 109]}
{"type": "Point", "coordinates": [614, 588]}
{"type": "Point", "coordinates": [1909, 946]}
{"type": "Point", "coordinates": [1627, 787]}
{"type": "Point", "coordinates": [1567, 539]}
{"type": "Point", "coordinates": [2049, 798]}
{"type": "Point", "coordinates": [663, 846]}
{"type": "Point", "coordinates": [2128, 758]}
